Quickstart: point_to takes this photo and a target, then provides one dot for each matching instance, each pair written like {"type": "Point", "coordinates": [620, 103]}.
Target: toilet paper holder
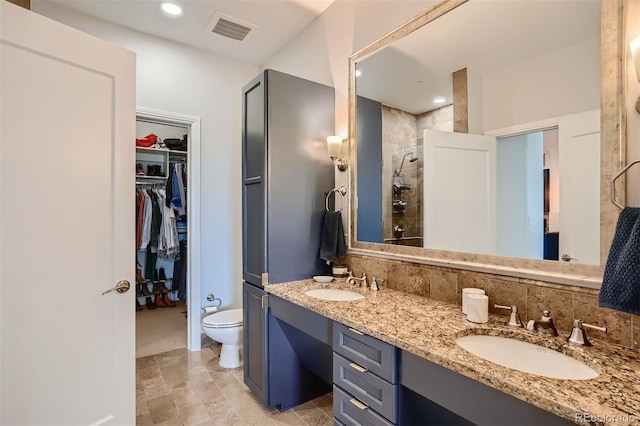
{"type": "Point", "coordinates": [216, 303]}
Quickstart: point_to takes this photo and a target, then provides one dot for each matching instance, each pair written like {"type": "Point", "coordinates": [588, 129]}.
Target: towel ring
{"type": "Point", "coordinates": [342, 191]}
{"type": "Point", "coordinates": [613, 183]}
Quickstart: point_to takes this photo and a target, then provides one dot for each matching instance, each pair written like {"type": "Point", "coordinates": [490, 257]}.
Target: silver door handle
{"type": "Point", "coordinates": [122, 287]}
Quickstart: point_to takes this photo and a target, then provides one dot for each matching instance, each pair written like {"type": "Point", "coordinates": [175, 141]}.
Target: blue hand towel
{"type": "Point", "coordinates": [621, 282]}
{"type": "Point", "coordinates": [332, 246]}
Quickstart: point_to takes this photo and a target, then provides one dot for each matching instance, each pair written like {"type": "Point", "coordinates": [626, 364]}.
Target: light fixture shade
{"type": "Point", "coordinates": [334, 145]}
{"type": "Point", "coordinates": [635, 55]}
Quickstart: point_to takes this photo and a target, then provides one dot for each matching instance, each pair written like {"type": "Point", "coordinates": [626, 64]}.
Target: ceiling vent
{"type": "Point", "coordinates": [230, 27]}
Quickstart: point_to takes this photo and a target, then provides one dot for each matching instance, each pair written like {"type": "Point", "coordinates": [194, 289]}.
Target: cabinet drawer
{"type": "Point", "coordinates": [376, 356]}
{"type": "Point", "coordinates": [349, 411]}
{"type": "Point", "coordinates": [368, 388]}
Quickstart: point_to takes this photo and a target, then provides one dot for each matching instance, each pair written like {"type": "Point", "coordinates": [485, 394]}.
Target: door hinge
{"type": "Point", "coordinates": [265, 278]}
{"type": "Point", "coordinates": [264, 301]}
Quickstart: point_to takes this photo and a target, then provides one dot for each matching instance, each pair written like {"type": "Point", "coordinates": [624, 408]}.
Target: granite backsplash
{"type": "Point", "coordinates": [530, 296]}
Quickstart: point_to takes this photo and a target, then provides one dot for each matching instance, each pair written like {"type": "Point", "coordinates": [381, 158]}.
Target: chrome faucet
{"type": "Point", "coordinates": [351, 280]}
{"type": "Point", "coordinates": [514, 320]}
{"type": "Point", "coordinates": [544, 325]}
{"type": "Point", "coordinates": [374, 283]}
{"type": "Point", "coordinates": [579, 336]}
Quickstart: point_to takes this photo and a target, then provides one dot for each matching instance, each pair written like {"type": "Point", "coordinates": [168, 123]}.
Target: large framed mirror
{"type": "Point", "coordinates": [484, 134]}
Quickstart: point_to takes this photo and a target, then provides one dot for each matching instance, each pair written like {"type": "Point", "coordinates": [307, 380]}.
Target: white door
{"type": "Point", "coordinates": [579, 157]}
{"type": "Point", "coordinates": [66, 220]}
{"type": "Point", "coordinates": [460, 195]}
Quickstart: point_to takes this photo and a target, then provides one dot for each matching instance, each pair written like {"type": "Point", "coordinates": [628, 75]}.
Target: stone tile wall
{"type": "Point", "coordinates": [402, 134]}
{"type": "Point", "coordinates": [565, 302]}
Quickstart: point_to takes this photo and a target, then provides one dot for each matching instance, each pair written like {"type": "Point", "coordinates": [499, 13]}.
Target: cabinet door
{"type": "Point", "coordinates": [255, 338]}
{"type": "Point", "coordinates": [254, 249]}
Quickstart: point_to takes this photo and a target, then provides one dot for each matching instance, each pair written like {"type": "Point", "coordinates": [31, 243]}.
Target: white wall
{"type": "Point", "coordinates": [562, 82]}
{"type": "Point", "coordinates": [177, 78]}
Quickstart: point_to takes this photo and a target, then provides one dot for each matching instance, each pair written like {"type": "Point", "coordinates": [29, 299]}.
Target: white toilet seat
{"type": "Point", "coordinates": [224, 319]}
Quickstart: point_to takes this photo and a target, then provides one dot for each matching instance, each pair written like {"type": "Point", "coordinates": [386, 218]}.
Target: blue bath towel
{"type": "Point", "coordinates": [621, 282]}
{"type": "Point", "coordinates": [332, 246]}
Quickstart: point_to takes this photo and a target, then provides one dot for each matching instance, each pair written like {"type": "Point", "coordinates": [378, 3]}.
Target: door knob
{"type": "Point", "coordinates": [122, 287]}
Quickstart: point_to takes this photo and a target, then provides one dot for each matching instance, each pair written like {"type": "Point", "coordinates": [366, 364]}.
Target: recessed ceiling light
{"type": "Point", "coordinates": [171, 9]}
{"type": "Point", "coordinates": [438, 100]}
{"type": "Point", "coordinates": [358, 73]}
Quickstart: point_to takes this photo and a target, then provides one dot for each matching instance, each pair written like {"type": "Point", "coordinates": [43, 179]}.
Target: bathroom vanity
{"type": "Point", "coordinates": [395, 361]}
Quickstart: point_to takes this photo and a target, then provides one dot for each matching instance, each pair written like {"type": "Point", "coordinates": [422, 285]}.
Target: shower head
{"type": "Point", "coordinates": [411, 160]}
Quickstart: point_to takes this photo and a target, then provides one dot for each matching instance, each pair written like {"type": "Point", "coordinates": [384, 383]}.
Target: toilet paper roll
{"type": "Point", "coordinates": [209, 309]}
{"type": "Point", "coordinates": [478, 308]}
{"type": "Point", "coordinates": [465, 294]}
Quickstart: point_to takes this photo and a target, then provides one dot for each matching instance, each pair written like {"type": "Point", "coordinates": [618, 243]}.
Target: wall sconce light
{"type": "Point", "coordinates": [635, 57]}
{"type": "Point", "coordinates": [334, 146]}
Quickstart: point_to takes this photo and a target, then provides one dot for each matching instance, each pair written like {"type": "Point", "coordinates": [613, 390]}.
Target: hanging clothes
{"type": "Point", "coordinates": [146, 223]}
{"type": "Point", "coordinates": [180, 272]}
{"type": "Point", "coordinates": [156, 227]}
{"type": "Point", "coordinates": [178, 199]}
{"type": "Point", "coordinates": [168, 244]}
{"type": "Point", "coordinates": [139, 216]}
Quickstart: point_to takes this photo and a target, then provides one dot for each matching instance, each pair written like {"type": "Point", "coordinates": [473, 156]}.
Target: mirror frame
{"type": "Point", "coordinates": [613, 130]}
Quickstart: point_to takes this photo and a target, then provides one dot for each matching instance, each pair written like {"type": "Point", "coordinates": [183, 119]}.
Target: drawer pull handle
{"type": "Point", "coordinates": [357, 367]}
{"type": "Point", "coordinates": [358, 404]}
{"type": "Point", "coordinates": [356, 331]}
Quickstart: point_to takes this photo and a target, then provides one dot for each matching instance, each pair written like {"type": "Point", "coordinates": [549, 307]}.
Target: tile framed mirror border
{"type": "Point", "coordinates": [612, 159]}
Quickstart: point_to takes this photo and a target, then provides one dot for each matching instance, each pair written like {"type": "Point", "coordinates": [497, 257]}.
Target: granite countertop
{"type": "Point", "coordinates": [429, 328]}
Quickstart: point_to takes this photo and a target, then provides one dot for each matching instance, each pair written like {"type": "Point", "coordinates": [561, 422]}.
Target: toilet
{"type": "Point", "coordinates": [226, 327]}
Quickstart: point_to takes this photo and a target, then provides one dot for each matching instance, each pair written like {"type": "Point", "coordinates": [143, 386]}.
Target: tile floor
{"type": "Point", "coordinates": [179, 387]}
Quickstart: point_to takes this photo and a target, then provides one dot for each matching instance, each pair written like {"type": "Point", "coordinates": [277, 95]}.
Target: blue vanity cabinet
{"type": "Point", "coordinates": [256, 334]}
{"type": "Point", "coordinates": [365, 387]}
{"type": "Point", "coordinates": [286, 173]}
{"type": "Point", "coordinates": [299, 348]}
{"type": "Point", "coordinates": [430, 394]}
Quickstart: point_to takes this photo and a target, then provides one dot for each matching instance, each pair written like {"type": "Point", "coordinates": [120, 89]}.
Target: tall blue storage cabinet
{"type": "Point", "coordinates": [286, 173]}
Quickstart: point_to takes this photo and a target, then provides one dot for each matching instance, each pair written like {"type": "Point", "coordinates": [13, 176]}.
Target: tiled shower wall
{"type": "Point", "coordinates": [402, 134]}
{"type": "Point", "coordinates": [530, 296]}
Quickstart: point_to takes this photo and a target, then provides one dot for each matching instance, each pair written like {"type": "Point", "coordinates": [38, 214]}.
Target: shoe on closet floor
{"type": "Point", "coordinates": [145, 290]}
{"type": "Point", "coordinates": [149, 303]}
{"type": "Point", "coordinates": [168, 302]}
{"type": "Point", "coordinates": [139, 278]}
{"type": "Point", "coordinates": [159, 302]}
{"type": "Point", "coordinates": [138, 307]}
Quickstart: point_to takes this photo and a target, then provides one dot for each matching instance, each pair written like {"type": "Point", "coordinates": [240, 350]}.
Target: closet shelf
{"type": "Point", "coordinates": [151, 177]}
{"type": "Point", "coordinates": [161, 151]}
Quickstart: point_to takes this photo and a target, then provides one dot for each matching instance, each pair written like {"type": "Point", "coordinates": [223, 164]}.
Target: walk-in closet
{"type": "Point", "coordinates": [161, 236]}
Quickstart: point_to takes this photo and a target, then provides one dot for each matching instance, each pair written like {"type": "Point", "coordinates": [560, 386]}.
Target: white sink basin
{"type": "Point", "coordinates": [526, 357]}
{"type": "Point", "coordinates": [334, 294]}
